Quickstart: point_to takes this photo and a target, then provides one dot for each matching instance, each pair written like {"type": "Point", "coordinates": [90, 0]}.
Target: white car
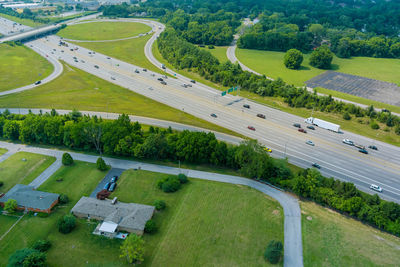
{"type": "Point", "coordinates": [376, 187]}
{"type": "Point", "coordinates": [309, 142]}
{"type": "Point", "coordinates": [348, 142]}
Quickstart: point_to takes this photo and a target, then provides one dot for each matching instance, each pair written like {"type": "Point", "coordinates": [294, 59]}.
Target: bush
{"type": "Point", "coordinates": [66, 224]}
{"type": "Point", "coordinates": [293, 59]}
{"type": "Point", "coordinates": [273, 253]}
{"type": "Point", "coordinates": [42, 245]}
{"type": "Point", "coordinates": [374, 125]}
{"type": "Point", "coordinates": [321, 57]}
{"type": "Point", "coordinates": [160, 204]}
{"type": "Point", "coordinates": [63, 199]}
{"type": "Point", "coordinates": [10, 205]}
{"type": "Point", "coordinates": [101, 164]}
{"type": "Point", "coordinates": [169, 184]}
{"type": "Point", "coordinates": [346, 116]}
{"type": "Point", "coordinates": [211, 47]}
{"type": "Point", "coordinates": [150, 227]}
{"type": "Point", "coordinates": [27, 257]}
{"type": "Point", "coordinates": [182, 178]}
{"type": "Point", "coordinates": [67, 160]}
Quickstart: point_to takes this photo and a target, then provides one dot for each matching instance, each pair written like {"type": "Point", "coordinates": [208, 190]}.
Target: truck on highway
{"type": "Point", "coordinates": [323, 124]}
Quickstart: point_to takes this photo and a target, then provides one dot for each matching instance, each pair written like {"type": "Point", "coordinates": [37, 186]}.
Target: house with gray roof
{"type": "Point", "coordinates": [30, 199]}
{"type": "Point", "coordinates": [116, 216]}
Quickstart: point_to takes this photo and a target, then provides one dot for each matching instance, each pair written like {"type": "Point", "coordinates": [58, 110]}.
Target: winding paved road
{"type": "Point", "coordinates": [293, 251]}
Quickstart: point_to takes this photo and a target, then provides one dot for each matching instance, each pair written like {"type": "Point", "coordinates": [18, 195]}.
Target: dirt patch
{"type": "Point", "coordinates": [378, 237]}
{"type": "Point", "coordinates": [304, 212]}
{"type": "Point", "coordinates": [275, 212]}
{"type": "Point", "coordinates": [309, 218]}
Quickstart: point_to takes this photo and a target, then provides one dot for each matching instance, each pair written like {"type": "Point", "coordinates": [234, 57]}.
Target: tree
{"type": "Point", "coordinates": [293, 59]}
{"type": "Point", "coordinates": [42, 245]}
{"type": "Point", "coordinates": [94, 132]}
{"type": "Point", "coordinates": [182, 178]}
{"type": "Point", "coordinates": [346, 116]}
{"type": "Point", "coordinates": [66, 224]}
{"type": "Point", "coordinates": [343, 48]}
{"type": "Point", "coordinates": [35, 259]}
{"type": "Point", "coordinates": [150, 227]}
{"type": "Point", "coordinates": [27, 257]}
{"type": "Point", "coordinates": [10, 205]}
{"type": "Point", "coordinates": [321, 57]}
{"type": "Point", "coordinates": [67, 159]}
{"type": "Point", "coordinates": [273, 253]}
{"type": "Point", "coordinates": [63, 199]}
{"type": "Point", "coordinates": [160, 204]}
{"type": "Point", "coordinates": [11, 129]}
{"type": "Point", "coordinates": [101, 164]}
{"type": "Point", "coordinates": [133, 249]}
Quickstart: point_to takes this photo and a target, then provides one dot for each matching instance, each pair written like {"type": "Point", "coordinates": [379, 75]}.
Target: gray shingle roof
{"type": "Point", "coordinates": [26, 196]}
{"type": "Point", "coordinates": [128, 215]}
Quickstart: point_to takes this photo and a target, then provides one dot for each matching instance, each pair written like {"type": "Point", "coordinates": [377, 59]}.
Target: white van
{"type": "Point", "coordinates": [376, 188]}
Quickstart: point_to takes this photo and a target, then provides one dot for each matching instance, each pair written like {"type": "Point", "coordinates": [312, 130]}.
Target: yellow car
{"type": "Point", "coordinates": [267, 149]}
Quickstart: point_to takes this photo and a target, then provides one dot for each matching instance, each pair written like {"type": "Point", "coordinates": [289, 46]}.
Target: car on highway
{"type": "Point", "coordinates": [297, 125]}
{"type": "Point", "coordinates": [309, 142]}
{"type": "Point", "coordinates": [76, 60]}
{"type": "Point", "coordinates": [114, 179]}
{"type": "Point", "coordinates": [376, 187]}
{"type": "Point", "coordinates": [113, 78]}
{"type": "Point", "coordinates": [348, 142]}
{"type": "Point", "coordinates": [163, 66]}
{"type": "Point", "coordinates": [362, 150]}
{"type": "Point", "coordinates": [96, 66]}
{"type": "Point", "coordinates": [184, 85]}
{"type": "Point", "coordinates": [310, 127]}
{"type": "Point", "coordinates": [136, 71]}
{"type": "Point", "coordinates": [213, 115]}
{"type": "Point", "coordinates": [359, 146]}
{"type": "Point", "coordinates": [373, 147]}
{"type": "Point", "coordinates": [112, 187]}
{"type": "Point", "coordinates": [83, 61]}
{"type": "Point", "coordinates": [302, 130]}
{"type": "Point", "coordinates": [262, 116]}
{"type": "Point", "coordinates": [316, 165]}
{"type": "Point", "coordinates": [192, 81]}
{"type": "Point", "coordinates": [246, 106]}
{"type": "Point", "coordinates": [38, 82]}
{"type": "Point", "coordinates": [251, 128]}
{"type": "Point", "coordinates": [160, 79]}
{"type": "Point", "coordinates": [144, 70]}
{"type": "Point", "coordinates": [163, 83]}
{"type": "Point", "coordinates": [108, 58]}
{"type": "Point", "coordinates": [266, 149]}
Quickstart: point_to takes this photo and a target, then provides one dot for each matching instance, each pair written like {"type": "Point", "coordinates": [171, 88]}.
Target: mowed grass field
{"type": "Point", "coordinates": [205, 223]}
{"type": "Point", "coordinates": [6, 222]}
{"type": "Point", "coordinates": [2, 151]}
{"type": "Point", "coordinates": [16, 171]}
{"type": "Point", "coordinates": [218, 51]}
{"type": "Point", "coordinates": [330, 239]}
{"type": "Point", "coordinates": [103, 30]}
{"type": "Point", "coordinates": [77, 89]}
{"type": "Point", "coordinates": [21, 66]}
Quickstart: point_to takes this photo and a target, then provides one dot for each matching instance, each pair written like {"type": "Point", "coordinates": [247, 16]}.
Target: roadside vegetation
{"type": "Point", "coordinates": [3, 151]}
{"type": "Point", "coordinates": [103, 30]}
{"type": "Point", "coordinates": [217, 51]}
{"type": "Point", "coordinates": [22, 168]}
{"type": "Point", "coordinates": [77, 89]}
{"type": "Point", "coordinates": [24, 21]}
{"type": "Point", "coordinates": [21, 66]}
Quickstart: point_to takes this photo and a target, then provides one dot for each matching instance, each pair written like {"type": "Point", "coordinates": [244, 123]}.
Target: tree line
{"type": "Point", "coordinates": [184, 55]}
{"type": "Point", "coordinates": [124, 138]}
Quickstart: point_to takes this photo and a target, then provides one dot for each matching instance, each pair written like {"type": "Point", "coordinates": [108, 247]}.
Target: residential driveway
{"type": "Point", "coordinates": [106, 179]}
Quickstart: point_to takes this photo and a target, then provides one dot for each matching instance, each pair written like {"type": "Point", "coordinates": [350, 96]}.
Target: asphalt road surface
{"type": "Point", "coordinates": [9, 27]}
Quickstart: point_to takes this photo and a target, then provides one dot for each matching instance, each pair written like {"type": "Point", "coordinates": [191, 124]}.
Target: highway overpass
{"type": "Point", "coordinates": [32, 34]}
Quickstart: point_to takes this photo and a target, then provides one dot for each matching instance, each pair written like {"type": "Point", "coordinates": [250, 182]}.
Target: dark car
{"type": "Point", "coordinates": [362, 150]}
{"type": "Point", "coordinates": [163, 66]}
{"type": "Point", "coordinates": [262, 116]}
{"type": "Point", "coordinates": [96, 66]}
{"type": "Point", "coordinates": [213, 115]}
{"type": "Point", "coordinates": [160, 79]}
{"type": "Point", "coordinates": [311, 127]}
{"type": "Point", "coordinates": [144, 70]}
{"type": "Point", "coordinates": [246, 106]}
{"type": "Point", "coordinates": [192, 81]}
{"type": "Point", "coordinates": [163, 83]}
{"type": "Point", "coordinates": [373, 147]}
{"type": "Point", "coordinates": [302, 130]}
{"type": "Point", "coordinates": [316, 165]}
{"type": "Point", "coordinates": [38, 82]}
{"type": "Point", "coordinates": [385, 110]}
{"type": "Point", "coordinates": [297, 125]}
{"type": "Point", "coordinates": [114, 179]}
{"type": "Point", "coordinates": [112, 187]}
{"type": "Point", "coordinates": [251, 128]}
{"type": "Point", "coordinates": [106, 186]}
{"type": "Point", "coordinates": [136, 71]}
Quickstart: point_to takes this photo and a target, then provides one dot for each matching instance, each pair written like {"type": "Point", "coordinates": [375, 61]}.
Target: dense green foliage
{"type": "Point", "coordinates": [66, 223]}
{"type": "Point", "coordinates": [10, 205]}
{"type": "Point", "coordinates": [133, 249]}
{"type": "Point", "coordinates": [63, 199]}
{"type": "Point", "coordinates": [150, 227]}
{"type": "Point", "coordinates": [169, 184]}
{"type": "Point", "coordinates": [27, 257]}
{"type": "Point", "coordinates": [101, 164]}
{"type": "Point", "coordinates": [293, 59]}
{"type": "Point", "coordinates": [182, 178]}
{"type": "Point", "coordinates": [67, 159]}
{"type": "Point", "coordinates": [160, 204]}
{"type": "Point", "coordinates": [273, 252]}
{"type": "Point", "coordinates": [321, 57]}
{"type": "Point", "coordinates": [42, 245]}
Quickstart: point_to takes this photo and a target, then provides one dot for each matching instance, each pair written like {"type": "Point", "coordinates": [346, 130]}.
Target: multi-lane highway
{"type": "Point", "coordinates": [341, 161]}
{"type": "Point", "coordinates": [9, 27]}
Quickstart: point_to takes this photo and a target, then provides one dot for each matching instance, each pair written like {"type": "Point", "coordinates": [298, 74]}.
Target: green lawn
{"type": "Point", "coordinates": [330, 239]}
{"type": "Point", "coordinates": [6, 222]}
{"type": "Point", "coordinates": [218, 51]}
{"type": "Point", "coordinates": [27, 22]}
{"type": "Point", "coordinates": [2, 151]}
{"type": "Point", "coordinates": [21, 66]}
{"type": "Point", "coordinates": [75, 88]}
{"type": "Point", "coordinates": [77, 180]}
{"type": "Point", "coordinates": [103, 30]}
{"type": "Point", "coordinates": [16, 171]}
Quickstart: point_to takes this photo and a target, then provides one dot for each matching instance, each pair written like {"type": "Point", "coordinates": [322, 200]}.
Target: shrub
{"type": "Point", "coordinates": [150, 227]}
{"type": "Point", "coordinates": [1, 183]}
{"type": "Point", "coordinates": [211, 47]}
{"type": "Point", "coordinates": [10, 205]}
{"type": "Point", "coordinates": [101, 164]}
{"type": "Point", "coordinates": [67, 160]}
{"type": "Point", "coordinates": [43, 214]}
{"type": "Point", "coordinates": [321, 57]}
{"type": "Point", "coordinates": [273, 253]}
{"type": "Point", "coordinates": [182, 178]}
{"type": "Point", "coordinates": [171, 185]}
{"type": "Point", "coordinates": [374, 125]}
{"type": "Point", "coordinates": [27, 257]}
{"type": "Point", "coordinates": [160, 204]}
{"type": "Point", "coordinates": [63, 199]}
{"type": "Point", "coordinates": [346, 116]}
{"type": "Point", "coordinates": [66, 224]}
{"type": "Point", "coordinates": [293, 59]}
{"type": "Point", "coordinates": [397, 130]}
{"type": "Point", "coordinates": [42, 245]}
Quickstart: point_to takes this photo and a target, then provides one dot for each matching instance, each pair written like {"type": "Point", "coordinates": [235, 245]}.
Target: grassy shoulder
{"type": "Point", "coordinates": [218, 51]}
{"type": "Point", "coordinates": [21, 66]}
{"type": "Point", "coordinates": [331, 239]}
{"type": "Point", "coordinates": [103, 30]}
{"type": "Point", "coordinates": [22, 168]}
{"type": "Point", "coordinates": [27, 22]}
{"type": "Point", "coordinates": [77, 89]}
{"type": "Point", "coordinates": [3, 151]}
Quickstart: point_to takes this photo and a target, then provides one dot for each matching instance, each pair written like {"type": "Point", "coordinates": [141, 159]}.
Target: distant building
{"type": "Point", "coordinates": [115, 216]}
{"type": "Point", "coordinates": [29, 199]}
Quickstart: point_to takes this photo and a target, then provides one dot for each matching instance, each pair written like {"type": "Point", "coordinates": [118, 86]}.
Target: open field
{"type": "Point", "coordinates": [79, 179]}
{"type": "Point", "coordinates": [2, 151]}
{"type": "Point", "coordinates": [218, 51]}
{"type": "Point", "coordinates": [21, 66]}
{"type": "Point", "coordinates": [205, 223]}
{"type": "Point", "coordinates": [27, 22]}
{"type": "Point", "coordinates": [16, 171]}
{"type": "Point", "coordinates": [103, 30]}
{"type": "Point", "coordinates": [75, 88]}
{"type": "Point", "coordinates": [330, 239]}
{"type": "Point", "coordinates": [6, 222]}
{"type": "Point", "coordinates": [270, 63]}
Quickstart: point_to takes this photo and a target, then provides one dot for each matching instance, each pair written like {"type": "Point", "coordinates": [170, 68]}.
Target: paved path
{"type": "Point", "coordinates": [293, 251]}
{"type": "Point", "coordinates": [8, 154]}
{"type": "Point", "coordinates": [46, 174]}
{"type": "Point", "coordinates": [106, 179]}
{"type": "Point", "coordinates": [144, 120]}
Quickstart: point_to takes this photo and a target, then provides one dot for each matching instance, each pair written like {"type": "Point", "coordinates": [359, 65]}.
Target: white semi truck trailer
{"type": "Point", "coordinates": [323, 124]}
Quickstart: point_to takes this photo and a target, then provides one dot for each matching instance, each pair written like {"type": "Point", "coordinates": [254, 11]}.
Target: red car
{"type": "Point", "coordinates": [302, 130]}
{"type": "Point", "coordinates": [251, 128]}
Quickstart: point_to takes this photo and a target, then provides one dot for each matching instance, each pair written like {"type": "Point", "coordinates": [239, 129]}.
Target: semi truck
{"type": "Point", "coordinates": [323, 124]}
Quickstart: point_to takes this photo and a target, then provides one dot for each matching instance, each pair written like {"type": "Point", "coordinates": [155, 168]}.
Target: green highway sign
{"type": "Point", "coordinates": [223, 93]}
